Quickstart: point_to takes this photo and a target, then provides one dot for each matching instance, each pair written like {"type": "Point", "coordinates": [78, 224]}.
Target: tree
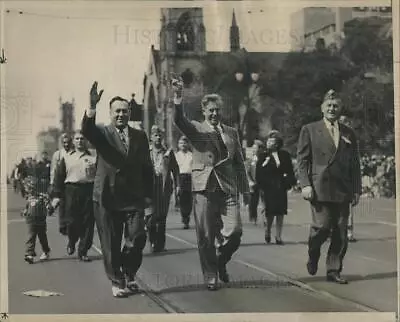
{"type": "Point", "coordinates": [368, 95]}
{"type": "Point", "coordinates": [303, 80]}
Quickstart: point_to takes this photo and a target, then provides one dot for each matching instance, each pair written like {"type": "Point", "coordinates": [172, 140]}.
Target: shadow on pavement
{"type": "Point", "coordinates": [233, 285]}
{"type": "Point", "coordinates": [352, 278]}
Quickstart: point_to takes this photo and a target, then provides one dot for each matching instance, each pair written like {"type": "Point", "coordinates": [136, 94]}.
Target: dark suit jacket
{"type": "Point", "coordinates": [230, 172]}
{"type": "Point", "coordinates": [123, 179]}
{"type": "Point", "coordinates": [334, 173]}
{"type": "Point", "coordinates": [270, 177]}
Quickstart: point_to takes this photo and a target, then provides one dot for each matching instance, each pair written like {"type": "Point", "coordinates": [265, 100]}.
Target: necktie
{"type": "Point", "coordinates": [224, 151]}
{"type": "Point", "coordinates": [333, 131]}
{"type": "Point", "coordinates": [123, 139]}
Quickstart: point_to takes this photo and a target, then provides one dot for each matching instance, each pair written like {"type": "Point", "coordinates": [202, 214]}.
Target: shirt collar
{"type": "Point", "coordinates": [82, 153]}
{"type": "Point", "coordinates": [213, 127]}
{"type": "Point", "coordinates": [329, 123]}
{"type": "Point", "coordinates": [125, 130]}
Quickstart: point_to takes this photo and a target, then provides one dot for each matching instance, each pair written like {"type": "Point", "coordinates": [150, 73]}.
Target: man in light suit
{"type": "Point", "coordinates": [218, 176]}
{"type": "Point", "coordinates": [329, 174]}
{"type": "Point", "coordinates": [122, 191]}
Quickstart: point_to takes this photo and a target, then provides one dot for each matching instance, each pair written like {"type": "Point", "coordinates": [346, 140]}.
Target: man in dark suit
{"type": "Point", "coordinates": [166, 177]}
{"type": "Point", "coordinates": [122, 191]}
{"type": "Point", "coordinates": [218, 176]}
{"type": "Point", "coordinates": [329, 174]}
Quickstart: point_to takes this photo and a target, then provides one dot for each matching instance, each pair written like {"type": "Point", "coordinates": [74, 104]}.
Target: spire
{"type": "Point", "coordinates": [234, 24]}
{"type": "Point", "coordinates": [234, 34]}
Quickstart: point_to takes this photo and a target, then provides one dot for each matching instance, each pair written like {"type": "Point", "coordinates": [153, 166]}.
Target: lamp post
{"type": "Point", "coordinates": [250, 92]}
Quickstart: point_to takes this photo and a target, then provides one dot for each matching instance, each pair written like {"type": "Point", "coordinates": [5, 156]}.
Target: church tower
{"type": "Point", "coordinates": [182, 53]}
{"type": "Point", "coordinates": [234, 34]}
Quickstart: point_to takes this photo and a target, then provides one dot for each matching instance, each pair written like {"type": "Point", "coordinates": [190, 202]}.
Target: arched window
{"type": "Point", "coordinates": [185, 33]}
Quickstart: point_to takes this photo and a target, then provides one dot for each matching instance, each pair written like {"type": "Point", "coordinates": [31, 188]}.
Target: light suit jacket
{"type": "Point", "coordinates": [230, 172]}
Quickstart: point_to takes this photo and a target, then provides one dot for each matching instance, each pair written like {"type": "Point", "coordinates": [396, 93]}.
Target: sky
{"type": "Point", "coordinates": [58, 48]}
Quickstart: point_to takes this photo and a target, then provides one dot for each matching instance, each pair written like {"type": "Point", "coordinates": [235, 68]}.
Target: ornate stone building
{"type": "Point", "coordinates": [235, 74]}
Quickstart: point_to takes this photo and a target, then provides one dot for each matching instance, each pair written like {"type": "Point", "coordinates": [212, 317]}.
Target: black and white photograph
{"type": "Point", "coordinates": [208, 157]}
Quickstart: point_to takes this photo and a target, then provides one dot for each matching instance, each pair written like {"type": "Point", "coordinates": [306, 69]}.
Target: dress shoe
{"type": "Point", "coordinates": [118, 292]}
{"type": "Point", "coordinates": [336, 278]}
{"type": "Point", "coordinates": [84, 258]}
{"type": "Point", "coordinates": [267, 239]}
{"type": "Point", "coordinates": [29, 259]}
{"type": "Point", "coordinates": [212, 284]}
{"type": "Point", "coordinates": [312, 267]}
{"type": "Point", "coordinates": [132, 287]}
{"type": "Point", "coordinates": [223, 274]}
{"type": "Point", "coordinates": [70, 250]}
{"type": "Point", "coordinates": [278, 241]}
{"type": "Point", "coordinates": [44, 256]}
{"type": "Point", "coordinates": [352, 239]}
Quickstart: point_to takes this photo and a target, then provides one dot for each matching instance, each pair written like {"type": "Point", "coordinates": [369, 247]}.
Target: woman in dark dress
{"type": "Point", "coordinates": [274, 177]}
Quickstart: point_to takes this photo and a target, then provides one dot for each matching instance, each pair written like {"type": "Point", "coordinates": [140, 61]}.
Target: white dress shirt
{"type": "Point", "coordinates": [276, 157]}
{"type": "Point", "coordinates": [335, 128]}
{"type": "Point", "coordinates": [80, 167]}
{"type": "Point", "coordinates": [184, 160]}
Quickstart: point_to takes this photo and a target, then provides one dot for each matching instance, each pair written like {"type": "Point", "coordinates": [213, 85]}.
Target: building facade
{"type": "Point", "coordinates": [313, 24]}
{"type": "Point", "coordinates": [183, 53]}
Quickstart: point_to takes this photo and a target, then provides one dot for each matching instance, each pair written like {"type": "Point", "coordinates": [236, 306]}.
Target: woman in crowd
{"type": "Point", "coordinates": [274, 177]}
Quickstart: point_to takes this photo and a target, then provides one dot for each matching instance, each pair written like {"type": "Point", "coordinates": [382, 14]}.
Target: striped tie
{"type": "Point", "coordinates": [122, 136]}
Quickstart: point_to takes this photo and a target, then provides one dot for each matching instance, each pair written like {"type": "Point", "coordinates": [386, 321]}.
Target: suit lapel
{"type": "Point", "coordinates": [133, 144]}
{"type": "Point", "coordinates": [116, 139]}
{"type": "Point", "coordinates": [328, 143]}
{"type": "Point", "coordinates": [229, 140]}
{"type": "Point", "coordinates": [213, 137]}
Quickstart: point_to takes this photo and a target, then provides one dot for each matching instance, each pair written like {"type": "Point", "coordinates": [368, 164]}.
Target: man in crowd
{"type": "Point", "coordinates": [166, 177]}
{"type": "Point", "coordinates": [329, 174]}
{"type": "Point", "coordinates": [184, 159]}
{"type": "Point", "coordinates": [218, 175]}
{"type": "Point", "coordinates": [67, 146]}
{"type": "Point", "coordinates": [73, 179]}
{"type": "Point", "coordinates": [123, 189]}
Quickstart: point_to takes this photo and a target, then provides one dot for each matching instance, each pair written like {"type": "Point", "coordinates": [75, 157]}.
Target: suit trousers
{"type": "Point", "coordinates": [111, 225]}
{"type": "Point", "coordinates": [158, 221]}
{"type": "Point", "coordinates": [62, 220]}
{"type": "Point", "coordinates": [185, 197]}
{"type": "Point", "coordinates": [218, 229]}
{"type": "Point", "coordinates": [329, 218]}
{"type": "Point", "coordinates": [79, 211]}
{"type": "Point", "coordinates": [253, 205]}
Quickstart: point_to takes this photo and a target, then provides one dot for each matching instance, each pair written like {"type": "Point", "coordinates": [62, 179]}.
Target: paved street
{"type": "Point", "coordinates": [266, 278]}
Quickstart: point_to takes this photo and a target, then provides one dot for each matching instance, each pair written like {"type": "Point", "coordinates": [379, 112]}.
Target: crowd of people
{"type": "Point", "coordinates": [378, 176]}
{"type": "Point", "coordinates": [124, 188]}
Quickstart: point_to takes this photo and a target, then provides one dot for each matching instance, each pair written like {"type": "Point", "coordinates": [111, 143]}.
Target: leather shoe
{"type": "Point", "coordinates": [312, 267]}
{"type": "Point", "coordinates": [336, 278]}
{"type": "Point", "coordinates": [118, 292]}
{"type": "Point", "coordinates": [84, 258]}
{"type": "Point", "coordinates": [278, 241]}
{"type": "Point", "coordinates": [70, 250]}
{"type": "Point", "coordinates": [212, 284]}
{"type": "Point", "coordinates": [223, 274]}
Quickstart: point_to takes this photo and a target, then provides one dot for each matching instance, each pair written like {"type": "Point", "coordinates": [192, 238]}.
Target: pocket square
{"type": "Point", "coordinates": [346, 140]}
{"type": "Point", "coordinates": [266, 161]}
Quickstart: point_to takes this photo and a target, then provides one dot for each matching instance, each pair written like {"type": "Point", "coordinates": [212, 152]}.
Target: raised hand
{"type": "Point", "coordinates": [94, 95]}
{"type": "Point", "coordinates": [177, 86]}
